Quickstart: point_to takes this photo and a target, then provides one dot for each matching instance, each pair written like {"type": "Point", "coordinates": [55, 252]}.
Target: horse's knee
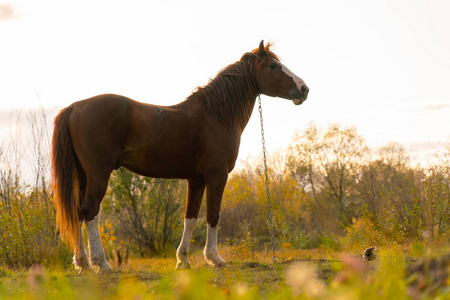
{"type": "Point", "coordinates": [213, 220]}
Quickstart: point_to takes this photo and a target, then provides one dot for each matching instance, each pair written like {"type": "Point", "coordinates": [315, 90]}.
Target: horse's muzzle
{"type": "Point", "coordinates": [299, 96]}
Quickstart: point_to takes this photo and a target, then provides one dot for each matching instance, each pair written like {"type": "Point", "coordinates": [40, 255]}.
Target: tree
{"type": "Point", "coordinates": [326, 165]}
{"type": "Point", "coordinates": [145, 212]}
{"type": "Point", "coordinates": [436, 195]}
{"type": "Point", "coordinates": [39, 156]}
{"type": "Point", "coordinates": [388, 191]}
{"type": "Point", "coordinates": [245, 210]}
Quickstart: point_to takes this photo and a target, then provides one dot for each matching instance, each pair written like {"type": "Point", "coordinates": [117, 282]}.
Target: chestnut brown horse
{"type": "Point", "coordinates": [197, 140]}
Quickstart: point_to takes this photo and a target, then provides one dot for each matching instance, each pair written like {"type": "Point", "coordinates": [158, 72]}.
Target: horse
{"type": "Point", "coordinates": [197, 140]}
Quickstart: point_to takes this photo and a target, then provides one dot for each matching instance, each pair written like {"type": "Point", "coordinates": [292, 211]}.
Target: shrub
{"type": "Point", "coordinates": [28, 233]}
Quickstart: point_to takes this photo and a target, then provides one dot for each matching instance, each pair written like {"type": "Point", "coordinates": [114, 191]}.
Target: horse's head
{"type": "Point", "coordinates": [274, 79]}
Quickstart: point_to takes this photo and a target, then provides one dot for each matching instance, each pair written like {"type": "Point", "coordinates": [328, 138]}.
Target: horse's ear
{"type": "Point", "coordinates": [261, 47]}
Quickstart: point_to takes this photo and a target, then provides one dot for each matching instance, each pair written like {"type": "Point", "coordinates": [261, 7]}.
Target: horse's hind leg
{"type": "Point", "coordinates": [90, 208]}
{"type": "Point", "coordinates": [194, 200]}
{"type": "Point", "coordinates": [96, 252]}
{"type": "Point", "coordinates": [80, 257]}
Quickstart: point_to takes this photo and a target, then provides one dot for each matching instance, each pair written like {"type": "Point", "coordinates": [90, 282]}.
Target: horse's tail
{"type": "Point", "coordinates": [66, 186]}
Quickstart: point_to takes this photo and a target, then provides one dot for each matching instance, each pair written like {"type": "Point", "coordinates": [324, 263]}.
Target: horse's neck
{"type": "Point", "coordinates": [250, 104]}
{"type": "Point", "coordinates": [234, 120]}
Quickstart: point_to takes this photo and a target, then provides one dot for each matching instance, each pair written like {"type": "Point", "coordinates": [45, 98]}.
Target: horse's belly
{"type": "Point", "coordinates": [160, 166]}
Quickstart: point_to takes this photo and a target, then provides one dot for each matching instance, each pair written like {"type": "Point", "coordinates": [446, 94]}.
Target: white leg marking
{"type": "Point", "coordinates": [211, 251]}
{"type": "Point", "coordinates": [183, 249]}
{"type": "Point", "coordinates": [80, 257]}
{"type": "Point", "coordinates": [97, 255]}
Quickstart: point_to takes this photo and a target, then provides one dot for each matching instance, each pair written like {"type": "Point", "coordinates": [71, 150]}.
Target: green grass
{"type": "Point", "coordinates": [307, 274]}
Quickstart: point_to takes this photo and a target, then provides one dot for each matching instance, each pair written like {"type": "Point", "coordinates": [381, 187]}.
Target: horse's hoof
{"type": "Point", "coordinates": [104, 270]}
{"type": "Point", "coordinates": [213, 259]}
{"type": "Point", "coordinates": [182, 265]}
{"type": "Point", "coordinates": [219, 264]}
{"type": "Point", "coordinates": [104, 266]}
{"type": "Point", "coordinates": [85, 270]}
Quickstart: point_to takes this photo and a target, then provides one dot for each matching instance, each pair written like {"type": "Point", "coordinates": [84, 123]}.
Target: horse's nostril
{"type": "Point", "coordinates": [304, 89]}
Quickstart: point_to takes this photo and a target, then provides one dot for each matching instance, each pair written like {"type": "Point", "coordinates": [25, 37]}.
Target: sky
{"type": "Point", "coordinates": [381, 66]}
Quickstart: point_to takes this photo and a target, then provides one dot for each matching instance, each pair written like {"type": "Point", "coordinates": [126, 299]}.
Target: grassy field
{"type": "Point", "coordinates": [298, 274]}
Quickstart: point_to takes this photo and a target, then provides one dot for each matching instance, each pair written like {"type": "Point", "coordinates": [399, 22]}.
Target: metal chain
{"type": "Point", "coordinates": [266, 172]}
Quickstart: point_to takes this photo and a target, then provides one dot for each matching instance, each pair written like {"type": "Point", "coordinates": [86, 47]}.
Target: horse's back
{"type": "Point", "coordinates": [99, 103]}
{"type": "Point", "coordinates": [162, 140]}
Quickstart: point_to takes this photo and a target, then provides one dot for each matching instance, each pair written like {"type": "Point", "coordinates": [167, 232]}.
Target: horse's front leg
{"type": "Point", "coordinates": [96, 252]}
{"type": "Point", "coordinates": [196, 189]}
{"type": "Point", "coordinates": [214, 192]}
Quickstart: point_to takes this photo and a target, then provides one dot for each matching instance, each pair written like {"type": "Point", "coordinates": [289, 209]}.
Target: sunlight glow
{"type": "Point", "coordinates": [383, 67]}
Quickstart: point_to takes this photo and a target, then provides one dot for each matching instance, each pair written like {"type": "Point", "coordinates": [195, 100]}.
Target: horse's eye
{"type": "Point", "coordinates": [273, 66]}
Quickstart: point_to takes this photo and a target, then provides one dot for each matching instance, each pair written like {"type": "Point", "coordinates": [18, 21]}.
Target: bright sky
{"type": "Point", "coordinates": [382, 66]}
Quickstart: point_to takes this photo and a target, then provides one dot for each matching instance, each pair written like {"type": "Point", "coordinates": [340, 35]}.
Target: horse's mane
{"type": "Point", "coordinates": [230, 95]}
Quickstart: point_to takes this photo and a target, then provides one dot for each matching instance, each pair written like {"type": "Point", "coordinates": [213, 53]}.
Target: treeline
{"type": "Point", "coordinates": [328, 189]}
